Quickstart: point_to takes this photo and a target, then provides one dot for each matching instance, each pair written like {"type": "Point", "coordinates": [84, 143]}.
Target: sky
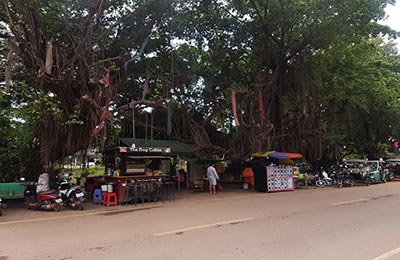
{"type": "Point", "coordinates": [393, 20]}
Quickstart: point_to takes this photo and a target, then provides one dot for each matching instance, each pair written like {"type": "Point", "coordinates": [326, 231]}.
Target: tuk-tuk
{"type": "Point", "coordinates": [377, 171]}
{"type": "Point", "coordinates": [393, 167]}
{"type": "Point", "coordinates": [357, 171]}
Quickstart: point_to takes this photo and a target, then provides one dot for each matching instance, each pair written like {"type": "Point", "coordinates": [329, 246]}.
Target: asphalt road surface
{"type": "Point", "coordinates": [349, 223]}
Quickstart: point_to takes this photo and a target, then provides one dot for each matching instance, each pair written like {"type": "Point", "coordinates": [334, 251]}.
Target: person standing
{"type": "Point", "coordinates": [212, 176]}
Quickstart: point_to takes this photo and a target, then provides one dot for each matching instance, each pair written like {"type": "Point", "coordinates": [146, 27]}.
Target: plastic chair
{"type": "Point", "coordinates": [98, 196]}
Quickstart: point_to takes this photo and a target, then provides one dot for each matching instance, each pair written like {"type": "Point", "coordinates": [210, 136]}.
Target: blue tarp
{"type": "Point", "coordinates": [278, 155]}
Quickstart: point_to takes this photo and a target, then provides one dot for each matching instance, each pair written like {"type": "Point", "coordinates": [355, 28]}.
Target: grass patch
{"type": "Point", "coordinates": [79, 172]}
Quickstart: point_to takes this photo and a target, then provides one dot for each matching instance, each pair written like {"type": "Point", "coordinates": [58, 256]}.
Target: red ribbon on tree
{"type": "Point", "coordinates": [106, 82]}
{"type": "Point", "coordinates": [260, 97]}
{"type": "Point", "coordinates": [233, 98]}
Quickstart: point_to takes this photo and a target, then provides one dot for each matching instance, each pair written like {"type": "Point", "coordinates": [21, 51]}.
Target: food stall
{"type": "Point", "coordinates": [198, 172]}
{"type": "Point", "coordinates": [272, 171]}
{"type": "Point", "coordinates": [135, 165]}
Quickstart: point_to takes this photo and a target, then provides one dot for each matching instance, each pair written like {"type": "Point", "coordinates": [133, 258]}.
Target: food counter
{"type": "Point", "coordinates": [120, 182]}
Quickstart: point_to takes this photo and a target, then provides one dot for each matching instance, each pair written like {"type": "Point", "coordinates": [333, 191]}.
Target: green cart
{"type": "Point", "coordinates": [12, 190]}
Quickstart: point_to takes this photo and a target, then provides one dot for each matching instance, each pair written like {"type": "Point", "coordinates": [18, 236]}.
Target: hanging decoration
{"type": "Point", "coordinates": [137, 56]}
{"type": "Point", "coordinates": [8, 68]}
{"type": "Point", "coordinates": [145, 88]}
{"type": "Point", "coordinates": [49, 58]}
{"type": "Point", "coordinates": [260, 97]}
{"type": "Point", "coordinates": [233, 98]}
{"type": "Point", "coordinates": [106, 82]}
{"type": "Point", "coordinates": [261, 104]}
{"type": "Point", "coordinates": [169, 118]}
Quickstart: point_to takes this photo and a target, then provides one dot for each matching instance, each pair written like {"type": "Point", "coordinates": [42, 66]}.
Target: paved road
{"type": "Point", "coordinates": [350, 223]}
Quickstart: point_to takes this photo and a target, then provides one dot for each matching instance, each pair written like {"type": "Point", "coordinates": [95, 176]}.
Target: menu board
{"type": "Point", "coordinates": [280, 178]}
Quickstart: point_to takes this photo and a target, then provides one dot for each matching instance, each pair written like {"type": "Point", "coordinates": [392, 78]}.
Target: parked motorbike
{"type": "Point", "coordinates": [322, 178]}
{"type": "Point", "coordinates": [72, 195]}
{"type": "Point", "coordinates": [47, 200]}
{"type": "Point", "coordinates": [344, 178]}
{"type": "Point", "coordinates": [307, 180]}
{"type": "Point", "coordinates": [309, 176]}
{"type": "Point", "coordinates": [1, 206]}
{"type": "Point", "coordinates": [334, 172]}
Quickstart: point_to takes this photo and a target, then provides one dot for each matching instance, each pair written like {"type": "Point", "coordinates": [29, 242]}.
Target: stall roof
{"type": "Point", "coordinates": [271, 154]}
{"type": "Point", "coordinates": [294, 155]}
{"type": "Point", "coordinates": [177, 147]}
{"type": "Point", "coordinates": [148, 157]}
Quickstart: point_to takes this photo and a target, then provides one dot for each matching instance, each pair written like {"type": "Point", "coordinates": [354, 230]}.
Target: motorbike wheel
{"type": "Point", "coordinates": [79, 205]}
{"type": "Point", "coordinates": [339, 183]}
{"type": "Point", "coordinates": [57, 208]}
{"type": "Point", "coordinates": [328, 182]}
{"type": "Point", "coordinates": [320, 183]}
{"type": "Point", "coordinates": [27, 206]}
{"type": "Point", "coordinates": [4, 205]}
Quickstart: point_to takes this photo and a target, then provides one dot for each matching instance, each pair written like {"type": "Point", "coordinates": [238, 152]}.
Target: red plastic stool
{"type": "Point", "coordinates": [110, 199]}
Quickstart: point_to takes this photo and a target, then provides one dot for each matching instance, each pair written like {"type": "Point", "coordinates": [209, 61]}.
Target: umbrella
{"type": "Point", "coordinates": [271, 154]}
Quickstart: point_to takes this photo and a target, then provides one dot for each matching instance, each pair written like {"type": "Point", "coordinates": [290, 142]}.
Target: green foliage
{"type": "Point", "coordinates": [74, 118]}
{"type": "Point", "coordinates": [327, 78]}
{"type": "Point", "coordinates": [360, 86]}
{"type": "Point", "coordinates": [18, 147]}
{"type": "Point", "coordinates": [83, 173]}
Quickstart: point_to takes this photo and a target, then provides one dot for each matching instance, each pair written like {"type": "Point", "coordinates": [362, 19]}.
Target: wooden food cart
{"type": "Point", "coordinates": [136, 165]}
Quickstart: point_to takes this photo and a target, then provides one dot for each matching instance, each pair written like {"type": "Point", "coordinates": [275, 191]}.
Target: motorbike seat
{"type": "Point", "coordinates": [46, 192]}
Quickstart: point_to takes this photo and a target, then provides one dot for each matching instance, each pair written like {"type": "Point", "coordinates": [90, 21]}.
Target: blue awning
{"type": "Point", "coordinates": [278, 155]}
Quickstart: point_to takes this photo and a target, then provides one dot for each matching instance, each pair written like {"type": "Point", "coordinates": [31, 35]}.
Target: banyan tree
{"type": "Point", "coordinates": [229, 76]}
{"type": "Point", "coordinates": [72, 53]}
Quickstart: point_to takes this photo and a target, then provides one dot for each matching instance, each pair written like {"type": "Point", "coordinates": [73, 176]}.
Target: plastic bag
{"type": "Point", "coordinates": [43, 183]}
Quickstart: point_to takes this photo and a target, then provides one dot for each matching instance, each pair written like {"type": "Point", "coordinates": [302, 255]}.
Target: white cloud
{"type": "Point", "coordinates": [393, 18]}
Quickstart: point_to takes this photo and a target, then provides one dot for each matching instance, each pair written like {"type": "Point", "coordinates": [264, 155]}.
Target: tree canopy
{"type": "Point", "coordinates": [305, 76]}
